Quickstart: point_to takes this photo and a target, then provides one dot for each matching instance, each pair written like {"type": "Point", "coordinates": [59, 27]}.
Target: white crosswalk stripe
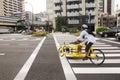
{"type": "Point", "coordinates": [20, 39]}
{"type": "Point", "coordinates": [109, 50]}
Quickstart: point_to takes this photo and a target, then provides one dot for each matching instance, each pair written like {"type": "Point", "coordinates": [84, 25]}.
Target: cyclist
{"type": "Point", "coordinates": [88, 36]}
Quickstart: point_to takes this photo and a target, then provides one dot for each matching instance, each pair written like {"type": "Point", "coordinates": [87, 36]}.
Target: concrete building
{"type": "Point", "coordinates": [107, 20]}
{"type": "Point", "coordinates": [42, 16]}
{"type": "Point", "coordinates": [109, 6]}
{"type": "Point", "coordinates": [117, 14]}
{"type": "Point", "coordinates": [12, 8]}
{"type": "Point", "coordinates": [50, 11]}
{"type": "Point", "coordinates": [78, 12]}
{"type": "Point", "coordinates": [106, 9]}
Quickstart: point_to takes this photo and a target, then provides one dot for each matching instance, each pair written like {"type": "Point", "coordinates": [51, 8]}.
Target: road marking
{"type": "Point", "coordinates": [107, 61]}
{"type": "Point", "coordinates": [102, 45]}
{"type": "Point", "coordinates": [2, 54]}
{"type": "Point", "coordinates": [1, 39]}
{"type": "Point", "coordinates": [110, 41]}
{"type": "Point", "coordinates": [107, 51]}
{"type": "Point", "coordinates": [66, 66]}
{"type": "Point", "coordinates": [97, 43]}
{"type": "Point", "coordinates": [97, 70]}
{"type": "Point", "coordinates": [25, 38]}
{"type": "Point", "coordinates": [111, 51]}
{"type": "Point", "coordinates": [13, 39]}
{"type": "Point", "coordinates": [24, 70]}
{"type": "Point", "coordinates": [106, 55]}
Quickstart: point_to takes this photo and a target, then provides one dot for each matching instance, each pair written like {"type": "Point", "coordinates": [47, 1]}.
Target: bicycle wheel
{"type": "Point", "coordinates": [100, 57]}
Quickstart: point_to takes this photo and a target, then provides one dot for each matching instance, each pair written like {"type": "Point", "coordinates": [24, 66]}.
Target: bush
{"type": "Point", "coordinates": [101, 28]}
{"type": "Point", "coordinates": [73, 30]}
{"type": "Point", "coordinates": [40, 33]}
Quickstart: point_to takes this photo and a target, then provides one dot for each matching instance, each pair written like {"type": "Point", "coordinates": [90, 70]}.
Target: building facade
{"type": "Point", "coordinates": [78, 12]}
{"type": "Point", "coordinates": [12, 8]}
{"type": "Point", "coordinates": [108, 6]}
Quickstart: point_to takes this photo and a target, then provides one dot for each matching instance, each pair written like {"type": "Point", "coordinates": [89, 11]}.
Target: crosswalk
{"type": "Point", "coordinates": [110, 66]}
{"type": "Point", "coordinates": [20, 39]}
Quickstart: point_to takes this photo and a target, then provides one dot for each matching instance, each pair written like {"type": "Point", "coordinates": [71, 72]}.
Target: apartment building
{"type": "Point", "coordinates": [78, 12]}
{"type": "Point", "coordinates": [12, 8]}
{"type": "Point", "coordinates": [117, 14]}
{"type": "Point", "coordinates": [106, 9]}
{"type": "Point", "coordinates": [50, 11]}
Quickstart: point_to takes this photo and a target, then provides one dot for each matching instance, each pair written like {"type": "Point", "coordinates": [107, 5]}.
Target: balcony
{"type": "Point", "coordinates": [57, 14]}
{"type": "Point", "coordinates": [72, 0]}
{"type": "Point", "coordinates": [58, 8]}
{"type": "Point", "coordinates": [57, 1]}
{"type": "Point", "coordinates": [90, 5]}
{"type": "Point", "coordinates": [73, 21]}
{"type": "Point", "coordinates": [73, 6]}
{"type": "Point", "coordinates": [91, 12]}
{"type": "Point", "coordinates": [73, 14]}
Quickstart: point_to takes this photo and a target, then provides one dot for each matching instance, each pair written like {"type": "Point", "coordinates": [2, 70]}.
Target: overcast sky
{"type": "Point", "coordinates": [40, 5]}
{"type": "Point", "coordinates": [117, 2]}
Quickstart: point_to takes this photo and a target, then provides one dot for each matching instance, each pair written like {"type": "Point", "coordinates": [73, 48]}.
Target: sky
{"type": "Point", "coordinates": [40, 5]}
{"type": "Point", "coordinates": [37, 5]}
{"type": "Point", "coordinates": [117, 2]}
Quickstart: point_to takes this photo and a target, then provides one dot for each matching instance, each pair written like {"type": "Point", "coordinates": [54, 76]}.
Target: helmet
{"type": "Point", "coordinates": [84, 26]}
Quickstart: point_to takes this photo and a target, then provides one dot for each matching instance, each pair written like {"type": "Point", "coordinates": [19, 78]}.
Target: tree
{"type": "Point", "coordinates": [21, 24]}
{"type": "Point", "coordinates": [60, 21]}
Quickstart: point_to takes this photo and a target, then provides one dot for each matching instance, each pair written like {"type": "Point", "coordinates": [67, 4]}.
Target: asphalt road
{"type": "Point", "coordinates": [84, 70]}
{"type": "Point", "coordinates": [23, 57]}
{"type": "Point", "coordinates": [15, 49]}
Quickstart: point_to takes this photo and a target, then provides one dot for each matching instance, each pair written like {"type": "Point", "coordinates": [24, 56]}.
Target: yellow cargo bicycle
{"type": "Point", "coordinates": [96, 56]}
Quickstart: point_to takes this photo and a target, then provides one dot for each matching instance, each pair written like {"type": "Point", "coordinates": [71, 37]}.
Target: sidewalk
{"type": "Point", "coordinates": [47, 65]}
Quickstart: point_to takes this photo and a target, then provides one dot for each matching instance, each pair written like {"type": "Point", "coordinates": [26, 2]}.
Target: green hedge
{"type": "Point", "coordinates": [101, 28]}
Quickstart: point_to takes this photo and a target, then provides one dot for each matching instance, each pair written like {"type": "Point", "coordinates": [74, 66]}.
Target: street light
{"type": "Point", "coordinates": [32, 10]}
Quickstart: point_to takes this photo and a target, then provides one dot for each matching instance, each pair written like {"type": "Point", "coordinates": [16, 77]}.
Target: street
{"type": "Point", "coordinates": [23, 57]}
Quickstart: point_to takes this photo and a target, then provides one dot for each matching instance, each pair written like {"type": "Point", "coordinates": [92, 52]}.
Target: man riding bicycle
{"type": "Point", "coordinates": [86, 34]}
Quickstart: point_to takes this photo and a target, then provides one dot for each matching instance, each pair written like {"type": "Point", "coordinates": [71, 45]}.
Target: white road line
{"type": "Point", "coordinates": [23, 72]}
{"type": "Point", "coordinates": [107, 61]}
{"type": "Point", "coordinates": [112, 55]}
{"type": "Point", "coordinates": [110, 41]}
{"type": "Point", "coordinates": [97, 70]}
{"type": "Point", "coordinates": [107, 51]}
{"type": "Point", "coordinates": [102, 45]}
{"type": "Point", "coordinates": [25, 38]}
{"type": "Point", "coordinates": [66, 66]}
{"type": "Point", "coordinates": [113, 51]}
{"type": "Point", "coordinates": [1, 39]}
{"type": "Point", "coordinates": [2, 54]}
{"type": "Point", "coordinates": [13, 39]}
{"type": "Point", "coordinates": [106, 55]}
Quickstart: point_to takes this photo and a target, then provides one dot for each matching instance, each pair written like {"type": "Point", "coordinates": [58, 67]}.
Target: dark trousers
{"type": "Point", "coordinates": [88, 45]}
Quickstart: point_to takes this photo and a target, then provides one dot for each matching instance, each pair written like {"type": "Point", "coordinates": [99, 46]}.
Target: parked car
{"type": "Point", "coordinates": [117, 35]}
{"type": "Point", "coordinates": [110, 32]}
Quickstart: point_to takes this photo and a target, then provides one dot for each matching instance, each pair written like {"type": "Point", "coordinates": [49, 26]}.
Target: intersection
{"type": "Point", "coordinates": [17, 50]}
